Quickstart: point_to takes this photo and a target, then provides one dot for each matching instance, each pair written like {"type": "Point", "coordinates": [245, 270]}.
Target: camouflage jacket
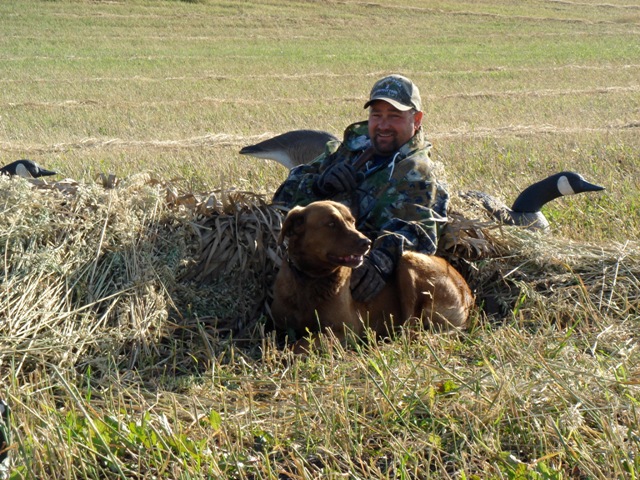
{"type": "Point", "coordinates": [399, 204]}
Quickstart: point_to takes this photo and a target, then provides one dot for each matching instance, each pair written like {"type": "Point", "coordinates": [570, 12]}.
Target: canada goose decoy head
{"type": "Point", "coordinates": [525, 211]}
{"type": "Point", "coordinates": [532, 198]}
{"type": "Point", "coordinates": [291, 149]}
{"type": "Point", "coordinates": [26, 168]}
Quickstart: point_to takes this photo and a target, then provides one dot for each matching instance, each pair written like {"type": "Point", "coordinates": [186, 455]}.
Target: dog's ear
{"type": "Point", "coordinates": [293, 224]}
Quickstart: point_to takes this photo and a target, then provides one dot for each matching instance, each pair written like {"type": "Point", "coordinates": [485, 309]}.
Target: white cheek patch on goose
{"type": "Point", "coordinates": [564, 187]}
{"type": "Point", "coordinates": [22, 171]}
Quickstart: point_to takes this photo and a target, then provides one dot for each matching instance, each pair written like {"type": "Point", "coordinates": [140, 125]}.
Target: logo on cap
{"type": "Point", "coordinates": [399, 91]}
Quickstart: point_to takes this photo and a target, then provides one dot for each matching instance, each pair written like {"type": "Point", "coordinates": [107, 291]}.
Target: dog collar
{"type": "Point", "coordinates": [297, 272]}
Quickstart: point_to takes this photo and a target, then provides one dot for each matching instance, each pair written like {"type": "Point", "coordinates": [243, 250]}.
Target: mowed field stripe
{"type": "Point", "coordinates": [369, 6]}
{"type": "Point", "coordinates": [620, 30]}
{"type": "Point", "coordinates": [298, 100]}
{"type": "Point", "coordinates": [596, 5]}
{"type": "Point", "coordinates": [285, 76]}
{"type": "Point", "coordinates": [228, 140]}
{"type": "Point", "coordinates": [501, 16]}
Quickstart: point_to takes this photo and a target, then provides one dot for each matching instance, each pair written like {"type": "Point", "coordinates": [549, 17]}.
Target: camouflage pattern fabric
{"type": "Point", "coordinates": [399, 204]}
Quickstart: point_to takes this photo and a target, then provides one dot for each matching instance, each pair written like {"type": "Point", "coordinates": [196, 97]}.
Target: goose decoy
{"type": "Point", "coordinates": [292, 148]}
{"type": "Point", "coordinates": [525, 211]}
{"type": "Point", "coordinates": [26, 169]}
{"type": "Point", "coordinates": [4, 434]}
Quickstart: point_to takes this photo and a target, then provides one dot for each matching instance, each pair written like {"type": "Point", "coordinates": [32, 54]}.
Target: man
{"type": "Point", "coordinates": [383, 172]}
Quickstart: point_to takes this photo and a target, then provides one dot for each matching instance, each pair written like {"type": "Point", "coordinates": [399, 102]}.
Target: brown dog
{"type": "Point", "coordinates": [312, 292]}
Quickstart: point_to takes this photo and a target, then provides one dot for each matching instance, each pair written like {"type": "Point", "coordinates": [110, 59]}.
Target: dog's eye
{"type": "Point", "coordinates": [331, 224]}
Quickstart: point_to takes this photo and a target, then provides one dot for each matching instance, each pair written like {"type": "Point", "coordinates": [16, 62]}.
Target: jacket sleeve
{"type": "Point", "coordinates": [297, 189]}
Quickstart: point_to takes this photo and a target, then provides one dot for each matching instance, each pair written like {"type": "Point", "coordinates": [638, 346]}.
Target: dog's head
{"type": "Point", "coordinates": [322, 237]}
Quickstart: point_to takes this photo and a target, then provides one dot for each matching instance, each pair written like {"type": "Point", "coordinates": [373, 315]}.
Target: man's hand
{"type": "Point", "coordinates": [370, 278]}
{"type": "Point", "coordinates": [338, 178]}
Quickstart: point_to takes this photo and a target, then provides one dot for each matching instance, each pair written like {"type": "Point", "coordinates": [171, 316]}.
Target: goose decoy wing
{"type": "Point", "coordinates": [293, 148]}
{"type": "Point", "coordinates": [496, 208]}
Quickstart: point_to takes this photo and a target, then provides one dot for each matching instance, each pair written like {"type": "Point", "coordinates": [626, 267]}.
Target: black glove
{"type": "Point", "coordinates": [370, 278]}
{"type": "Point", "coordinates": [338, 178]}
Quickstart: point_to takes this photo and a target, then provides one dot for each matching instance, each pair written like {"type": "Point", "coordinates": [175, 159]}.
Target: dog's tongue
{"type": "Point", "coordinates": [352, 261]}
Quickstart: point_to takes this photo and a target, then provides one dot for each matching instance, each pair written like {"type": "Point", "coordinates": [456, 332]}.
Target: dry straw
{"type": "Point", "coordinates": [116, 269]}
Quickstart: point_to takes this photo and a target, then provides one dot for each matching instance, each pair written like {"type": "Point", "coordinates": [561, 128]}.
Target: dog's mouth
{"type": "Point", "coordinates": [351, 261]}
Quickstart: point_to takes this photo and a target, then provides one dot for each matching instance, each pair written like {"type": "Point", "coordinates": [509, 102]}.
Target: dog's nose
{"type": "Point", "coordinates": [364, 243]}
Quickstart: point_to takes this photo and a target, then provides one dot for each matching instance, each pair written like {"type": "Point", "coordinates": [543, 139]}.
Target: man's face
{"type": "Point", "coordinates": [390, 128]}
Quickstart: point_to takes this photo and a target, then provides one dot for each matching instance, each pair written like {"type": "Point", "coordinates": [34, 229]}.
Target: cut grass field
{"type": "Point", "coordinates": [115, 366]}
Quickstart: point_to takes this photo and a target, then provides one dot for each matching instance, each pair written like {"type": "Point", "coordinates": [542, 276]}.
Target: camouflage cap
{"type": "Point", "coordinates": [399, 91]}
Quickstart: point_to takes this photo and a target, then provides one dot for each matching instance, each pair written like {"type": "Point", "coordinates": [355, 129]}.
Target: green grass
{"type": "Point", "coordinates": [114, 368]}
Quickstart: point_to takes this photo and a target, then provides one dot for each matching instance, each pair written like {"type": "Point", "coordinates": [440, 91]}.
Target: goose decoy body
{"type": "Point", "coordinates": [525, 211]}
{"type": "Point", "coordinates": [292, 148]}
{"type": "Point", "coordinates": [26, 168]}
{"type": "Point", "coordinates": [4, 434]}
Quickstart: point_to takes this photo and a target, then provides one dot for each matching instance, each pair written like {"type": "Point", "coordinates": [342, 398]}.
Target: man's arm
{"type": "Point", "coordinates": [419, 231]}
{"type": "Point", "coordinates": [297, 189]}
{"type": "Point", "coordinates": [325, 177]}
{"type": "Point", "coordinates": [411, 214]}
{"type": "Point", "coordinates": [413, 221]}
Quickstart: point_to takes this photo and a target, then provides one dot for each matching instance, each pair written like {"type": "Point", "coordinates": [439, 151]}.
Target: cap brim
{"type": "Point", "coordinates": [396, 104]}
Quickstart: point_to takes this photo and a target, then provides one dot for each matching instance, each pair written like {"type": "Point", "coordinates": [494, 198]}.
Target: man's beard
{"type": "Point", "coordinates": [387, 148]}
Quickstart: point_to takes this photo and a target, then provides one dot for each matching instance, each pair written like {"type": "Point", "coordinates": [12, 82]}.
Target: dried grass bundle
{"type": "Point", "coordinates": [239, 253]}
{"type": "Point", "coordinates": [114, 270]}
{"type": "Point", "coordinates": [240, 240]}
{"type": "Point", "coordinates": [561, 278]}
{"type": "Point", "coordinates": [512, 268]}
{"type": "Point", "coordinates": [86, 272]}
